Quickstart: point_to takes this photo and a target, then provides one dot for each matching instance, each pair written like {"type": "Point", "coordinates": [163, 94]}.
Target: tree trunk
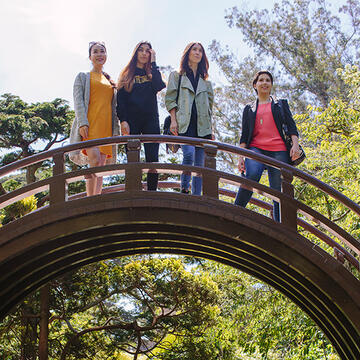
{"type": "Point", "coordinates": [44, 322]}
{"type": "Point", "coordinates": [30, 173]}
{"type": "Point", "coordinates": [29, 333]}
{"type": "Point", "coordinates": [2, 190]}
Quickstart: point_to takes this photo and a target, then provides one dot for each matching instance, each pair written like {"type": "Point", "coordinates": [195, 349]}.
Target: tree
{"type": "Point", "coordinates": [19, 208]}
{"type": "Point", "coordinates": [167, 308]}
{"type": "Point", "coordinates": [306, 45]}
{"type": "Point", "coordinates": [124, 306]}
{"type": "Point", "coordinates": [257, 320]}
{"type": "Point", "coordinates": [322, 73]}
{"type": "Point", "coordinates": [333, 138]}
{"type": "Point", "coordinates": [301, 42]}
{"type": "Point", "coordinates": [22, 126]}
{"type": "Point", "coordinates": [306, 41]}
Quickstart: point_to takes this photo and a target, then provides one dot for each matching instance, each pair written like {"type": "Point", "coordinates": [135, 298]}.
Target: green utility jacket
{"type": "Point", "coordinates": [204, 98]}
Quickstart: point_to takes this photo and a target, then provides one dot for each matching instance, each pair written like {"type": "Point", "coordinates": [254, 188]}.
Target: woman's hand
{"type": "Point", "coordinates": [84, 132]}
{"type": "Point", "coordinates": [125, 128]}
{"type": "Point", "coordinates": [241, 164]}
{"type": "Point", "coordinates": [152, 55]}
{"type": "Point", "coordinates": [173, 122]}
{"type": "Point", "coordinates": [295, 150]}
{"type": "Point", "coordinates": [174, 127]}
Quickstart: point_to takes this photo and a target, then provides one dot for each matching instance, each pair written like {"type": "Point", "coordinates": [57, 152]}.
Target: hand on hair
{"type": "Point", "coordinates": [125, 128]}
{"type": "Point", "coordinates": [152, 55]}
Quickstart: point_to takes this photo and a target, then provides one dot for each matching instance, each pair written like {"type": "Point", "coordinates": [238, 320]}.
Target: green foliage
{"type": "Point", "coordinates": [25, 128]}
{"type": "Point", "coordinates": [333, 147]}
{"type": "Point", "coordinates": [22, 125]}
{"type": "Point", "coordinates": [351, 77]}
{"type": "Point", "coordinates": [204, 310]}
{"type": "Point", "coordinates": [19, 331]}
{"type": "Point", "coordinates": [12, 184]}
{"type": "Point", "coordinates": [303, 43]}
{"type": "Point", "coordinates": [312, 52]}
{"type": "Point", "coordinates": [19, 208]}
{"type": "Point", "coordinates": [259, 321]}
{"type": "Point", "coordinates": [306, 41]}
{"type": "Point", "coordinates": [128, 304]}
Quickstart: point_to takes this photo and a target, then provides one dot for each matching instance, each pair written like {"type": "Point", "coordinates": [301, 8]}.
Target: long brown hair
{"type": "Point", "coordinates": [101, 43]}
{"type": "Point", "coordinates": [127, 75]}
{"type": "Point", "coordinates": [203, 66]}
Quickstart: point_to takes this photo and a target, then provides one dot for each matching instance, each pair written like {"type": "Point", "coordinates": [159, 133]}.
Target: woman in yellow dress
{"type": "Point", "coordinates": [95, 115]}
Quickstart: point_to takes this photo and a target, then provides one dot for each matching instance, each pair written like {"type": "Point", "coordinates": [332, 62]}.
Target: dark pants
{"type": "Point", "coordinates": [147, 124]}
{"type": "Point", "coordinates": [254, 170]}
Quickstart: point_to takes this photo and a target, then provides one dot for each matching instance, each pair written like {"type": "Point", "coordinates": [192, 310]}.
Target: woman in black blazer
{"type": "Point", "coordinates": [262, 133]}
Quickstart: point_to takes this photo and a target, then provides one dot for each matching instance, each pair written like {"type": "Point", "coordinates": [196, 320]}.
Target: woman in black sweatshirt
{"type": "Point", "coordinates": [137, 108]}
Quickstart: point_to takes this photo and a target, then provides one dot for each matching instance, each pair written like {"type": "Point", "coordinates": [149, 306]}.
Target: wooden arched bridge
{"type": "Point", "coordinates": [74, 231]}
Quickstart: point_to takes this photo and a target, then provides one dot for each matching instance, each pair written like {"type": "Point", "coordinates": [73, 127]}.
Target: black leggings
{"type": "Point", "coordinates": [147, 124]}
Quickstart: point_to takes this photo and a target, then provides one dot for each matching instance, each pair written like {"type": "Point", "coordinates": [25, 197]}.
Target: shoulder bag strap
{"type": "Point", "coordinates": [283, 121]}
{"type": "Point", "coordinates": [178, 89]}
{"type": "Point", "coordinates": [280, 102]}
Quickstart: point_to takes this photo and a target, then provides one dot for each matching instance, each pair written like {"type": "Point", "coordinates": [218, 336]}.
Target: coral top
{"type": "Point", "coordinates": [266, 135]}
{"type": "Point", "coordinates": [100, 110]}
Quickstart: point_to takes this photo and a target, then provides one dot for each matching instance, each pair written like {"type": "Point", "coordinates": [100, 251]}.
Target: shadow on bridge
{"type": "Point", "coordinates": [74, 231]}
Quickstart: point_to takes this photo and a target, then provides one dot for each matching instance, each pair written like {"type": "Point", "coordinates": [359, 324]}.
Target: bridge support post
{"type": "Point", "coordinates": [58, 186]}
{"type": "Point", "coordinates": [133, 173]}
{"type": "Point", "coordinates": [211, 182]}
{"type": "Point", "coordinates": [287, 207]}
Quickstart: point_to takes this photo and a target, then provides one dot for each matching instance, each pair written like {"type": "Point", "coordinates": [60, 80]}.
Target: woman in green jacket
{"type": "Point", "coordinates": [191, 114]}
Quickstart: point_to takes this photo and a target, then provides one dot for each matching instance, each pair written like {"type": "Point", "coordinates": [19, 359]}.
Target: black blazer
{"type": "Point", "coordinates": [249, 116]}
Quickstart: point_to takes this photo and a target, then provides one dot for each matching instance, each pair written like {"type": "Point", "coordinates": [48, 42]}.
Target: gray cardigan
{"type": "Point", "coordinates": [81, 93]}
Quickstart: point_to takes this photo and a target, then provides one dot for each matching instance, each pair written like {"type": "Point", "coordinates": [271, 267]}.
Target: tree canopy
{"type": "Point", "coordinates": [165, 308]}
{"type": "Point", "coordinates": [122, 306]}
{"type": "Point", "coordinates": [26, 129]}
{"type": "Point", "coordinates": [305, 41]}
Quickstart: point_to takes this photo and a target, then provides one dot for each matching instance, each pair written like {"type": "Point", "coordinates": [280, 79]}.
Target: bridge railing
{"type": "Point", "coordinates": [345, 246]}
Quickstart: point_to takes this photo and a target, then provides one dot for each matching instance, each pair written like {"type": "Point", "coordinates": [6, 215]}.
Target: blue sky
{"type": "Point", "coordinates": [45, 42]}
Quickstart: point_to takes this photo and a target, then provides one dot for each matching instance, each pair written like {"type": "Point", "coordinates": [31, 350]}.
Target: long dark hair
{"type": "Point", "coordinates": [203, 66]}
{"type": "Point", "coordinates": [127, 75]}
{"type": "Point", "coordinates": [101, 43]}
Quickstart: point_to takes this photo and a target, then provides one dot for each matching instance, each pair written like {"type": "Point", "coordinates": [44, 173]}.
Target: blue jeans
{"type": "Point", "coordinates": [254, 170]}
{"type": "Point", "coordinates": [192, 155]}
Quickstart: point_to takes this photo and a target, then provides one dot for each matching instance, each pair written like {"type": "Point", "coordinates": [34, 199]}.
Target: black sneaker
{"type": "Point", "coordinates": [184, 191]}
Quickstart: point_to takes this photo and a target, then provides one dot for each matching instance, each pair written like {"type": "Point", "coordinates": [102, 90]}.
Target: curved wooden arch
{"type": "Point", "coordinates": [72, 232]}
{"type": "Point", "coordinates": [68, 235]}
